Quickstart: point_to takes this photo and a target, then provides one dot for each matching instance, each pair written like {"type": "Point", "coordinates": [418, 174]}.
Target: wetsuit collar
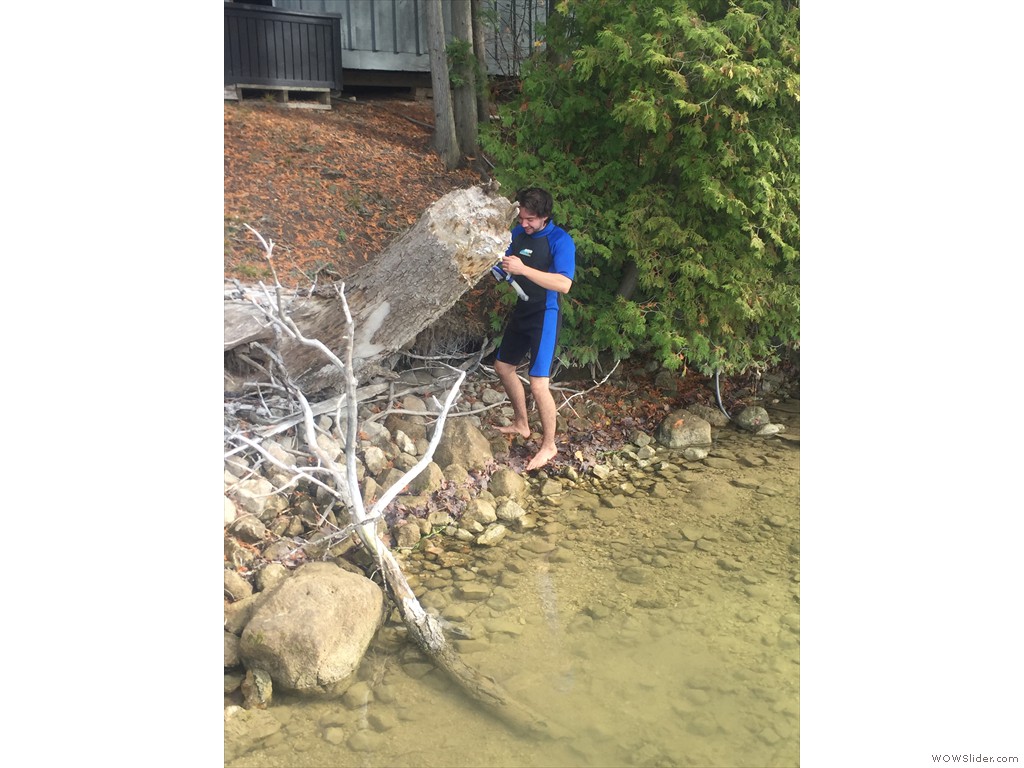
{"type": "Point", "coordinates": [545, 231]}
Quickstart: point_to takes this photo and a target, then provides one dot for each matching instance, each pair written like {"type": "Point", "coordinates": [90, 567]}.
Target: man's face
{"type": "Point", "coordinates": [530, 221]}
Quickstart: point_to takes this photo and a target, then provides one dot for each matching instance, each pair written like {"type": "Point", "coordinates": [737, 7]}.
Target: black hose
{"type": "Point", "coordinates": [718, 395]}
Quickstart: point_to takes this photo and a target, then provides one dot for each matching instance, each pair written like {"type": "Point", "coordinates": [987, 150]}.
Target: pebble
{"type": "Point", "coordinates": [334, 735]}
{"type": "Point", "coordinates": [365, 741]}
{"type": "Point", "coordinates": [692, 534]}
{"type": "Point", "coordinates": [758, 591]}
{"type": "Point", "coordinates": [539, 546]}
{"type": "Point", "coordinates": [634, 575]}
{"type": "Point", "coordinates": [382, 720]}
{"type": "Point", "coordinates": [473, 591]}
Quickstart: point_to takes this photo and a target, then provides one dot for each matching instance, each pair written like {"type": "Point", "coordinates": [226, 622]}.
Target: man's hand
{"type": "Point", "coordinates": [513, 264]}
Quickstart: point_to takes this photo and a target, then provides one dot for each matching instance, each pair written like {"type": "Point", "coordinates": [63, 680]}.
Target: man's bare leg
{"type": "Point", "coordinates": [517, 396]}
{"type": "Point", "coordinates": [548, 420]}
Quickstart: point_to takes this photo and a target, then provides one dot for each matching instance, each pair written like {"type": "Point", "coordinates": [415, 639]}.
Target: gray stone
{"type": "Point", "coordinates": [429, 480]}
{"type": "Point", "coordinates": [311, 633]}
{"type": "Point", "coordinates": [713, 416]}
{"type": "Point", "coordinates": [633, 574]}
{"type": "Point", "coordinates": [641, 439]}
{"type": "Point", "coordinates": [551, 487]}
{"type": "Point", "coordinates": [334, 734]}
{"type": "Point", "coordinates": [462, 443]}
{"type": "Point", "coordinates": [506, 482]}
{"type": "Point", "coordinates": [456, 474]}
{"type": "Point", "coordinates": [231, 658]}
{"type": "Point", "coordinates": [382, 721]}
{"type": "Point", "coordinates": [509, 511]}
{"type": "Point", "coordinates": [257, 689]}
{"type": "Point", "coordinates": [256, 496]}
{"type": "Point", "coordinates": [473, 591]}
{"type": "Point", "coordinates": [490, 396]}
{"type": "Point", "coordinates": [329, 445]}
{"type": "Point", "coordinates": [752, 418]}
{"type": "Point", "coordinates": [692, 533]}
{"type": "Point", "coordinates": [249, 528]}
{"type": "Point", "coordinates": [377, 435]}
{"type": "Point", "coordinates": [413, 426]}
{"type": "Point", "coordinates": [438, 519]}
{"type": "Point", "coordinates": [682, 429]}
{"type": "Point", "coordinates": [481, 511]}
{"type": "Point", "coordinates": [666, 382]}
{"type": "Point", "coordinates": [375, 459]}
{"type": "Point", "coordinates": [270, 576]}
{"type": "Point", "coordinates": [407, 535]}
{"type": "Point", "coordinates": [405, 443]}
{"type": "Point", "coordinates": [245, 729]}
{"type": "Point", "coordinates": [492, 535]}
{"type": "Point", "coordinates": [236, 587]}
{"type": "Point", "coordinates": [279, 453]}
{"type": "Point", "coordinates": [365, 741]}
{"type": "Point", "coordinates": [538, 546]}
{"type": "Point", "coordinates": [389, 478]}
{"type": "Point", "coordinates": [358, 696]}
{"type": "Point", "coordinates": [414, 404]}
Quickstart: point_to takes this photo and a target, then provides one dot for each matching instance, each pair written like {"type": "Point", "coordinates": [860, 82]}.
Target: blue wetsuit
{"type": "Point", "coordinates": [534, 323]}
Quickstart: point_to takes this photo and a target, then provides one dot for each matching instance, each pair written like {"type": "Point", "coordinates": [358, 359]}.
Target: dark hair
{"type": "Point", "coordinates": [537, 200]}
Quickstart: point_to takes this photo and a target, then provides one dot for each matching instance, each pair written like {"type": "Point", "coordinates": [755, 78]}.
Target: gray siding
{"type": "Point", "coordinates": [391, 35]}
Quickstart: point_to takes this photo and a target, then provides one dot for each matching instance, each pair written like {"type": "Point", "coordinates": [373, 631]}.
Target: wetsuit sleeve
{"type": "Point", "coordinates": [563, 254]}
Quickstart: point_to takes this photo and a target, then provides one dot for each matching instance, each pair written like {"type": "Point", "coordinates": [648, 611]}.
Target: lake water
{"type": "Point", "coordinates": [658, 627]}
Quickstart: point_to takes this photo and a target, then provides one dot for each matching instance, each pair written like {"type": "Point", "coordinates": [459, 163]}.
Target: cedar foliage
{"type": "Point", "coordinates": [668, 134]}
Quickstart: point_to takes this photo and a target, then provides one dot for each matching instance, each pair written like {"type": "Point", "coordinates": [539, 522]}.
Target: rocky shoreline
{"type": "Point", "coordinates": [456, 543]}
{"type": "Point", "coordinates": [448, 524]}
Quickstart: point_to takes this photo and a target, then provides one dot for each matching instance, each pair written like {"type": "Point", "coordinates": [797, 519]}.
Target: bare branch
{"type": "Point", "coordinates": [591, 389]}
{"type": "Point", "coordinates": [424, 628]}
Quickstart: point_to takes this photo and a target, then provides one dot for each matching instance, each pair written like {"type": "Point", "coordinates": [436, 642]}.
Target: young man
{"type": "Point", "coordinates": [542, 259]}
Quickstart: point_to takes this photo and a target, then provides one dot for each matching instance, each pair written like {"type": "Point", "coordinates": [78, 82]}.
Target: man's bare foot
{"type": "Point", "coordinates": [542, 457]}
{"type": "Point", "coordinates": [514, 430]}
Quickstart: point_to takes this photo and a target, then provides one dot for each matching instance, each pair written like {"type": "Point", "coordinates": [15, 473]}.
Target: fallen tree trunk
{"type": "Point", "coordinates": [424, 628]}
{"type": "Point", "coordinates": [397, 294]}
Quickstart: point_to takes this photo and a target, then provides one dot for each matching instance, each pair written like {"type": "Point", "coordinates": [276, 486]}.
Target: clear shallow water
{"type": "Point", "coordinates": [648, 647]}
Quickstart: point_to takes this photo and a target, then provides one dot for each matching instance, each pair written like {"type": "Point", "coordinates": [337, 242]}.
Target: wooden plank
{"type": "Point", "coordinates": [292, 96]}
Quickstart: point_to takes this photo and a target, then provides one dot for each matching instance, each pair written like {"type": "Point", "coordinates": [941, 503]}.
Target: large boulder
{"type": "Point", "coordinates": [311, 633]}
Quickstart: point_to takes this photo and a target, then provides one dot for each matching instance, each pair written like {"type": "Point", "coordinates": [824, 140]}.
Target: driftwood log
{"type": "Point", "coordinates": [455, 243]}
{"type": "Point", "coordinates": [392, 298]}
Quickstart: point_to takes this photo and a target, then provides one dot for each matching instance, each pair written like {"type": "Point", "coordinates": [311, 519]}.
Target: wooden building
{"type": "Point", "coordinates": [324, 45]}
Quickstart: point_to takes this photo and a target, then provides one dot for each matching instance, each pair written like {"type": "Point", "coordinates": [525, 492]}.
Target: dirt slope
{"type": "Point", "coordinates": [330, 188]}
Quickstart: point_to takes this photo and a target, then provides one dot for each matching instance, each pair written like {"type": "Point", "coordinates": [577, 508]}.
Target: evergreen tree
{"type": "Point", "coordinates": [668, 133]}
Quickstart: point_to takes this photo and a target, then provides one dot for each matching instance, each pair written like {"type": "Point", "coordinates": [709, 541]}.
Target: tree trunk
{"type": "Point", "coordinates": [483, 93]}
{"type": "Point", "coordinates": [627, 284]}
{"type": "Point", "coordinates": [423, 628]}
{"type": "Point", "coordinates": [464, 94]}
{"type": "Point", "coordinates": [444, 121]}
{"type": "Point", "coordinates": [393, 297]}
